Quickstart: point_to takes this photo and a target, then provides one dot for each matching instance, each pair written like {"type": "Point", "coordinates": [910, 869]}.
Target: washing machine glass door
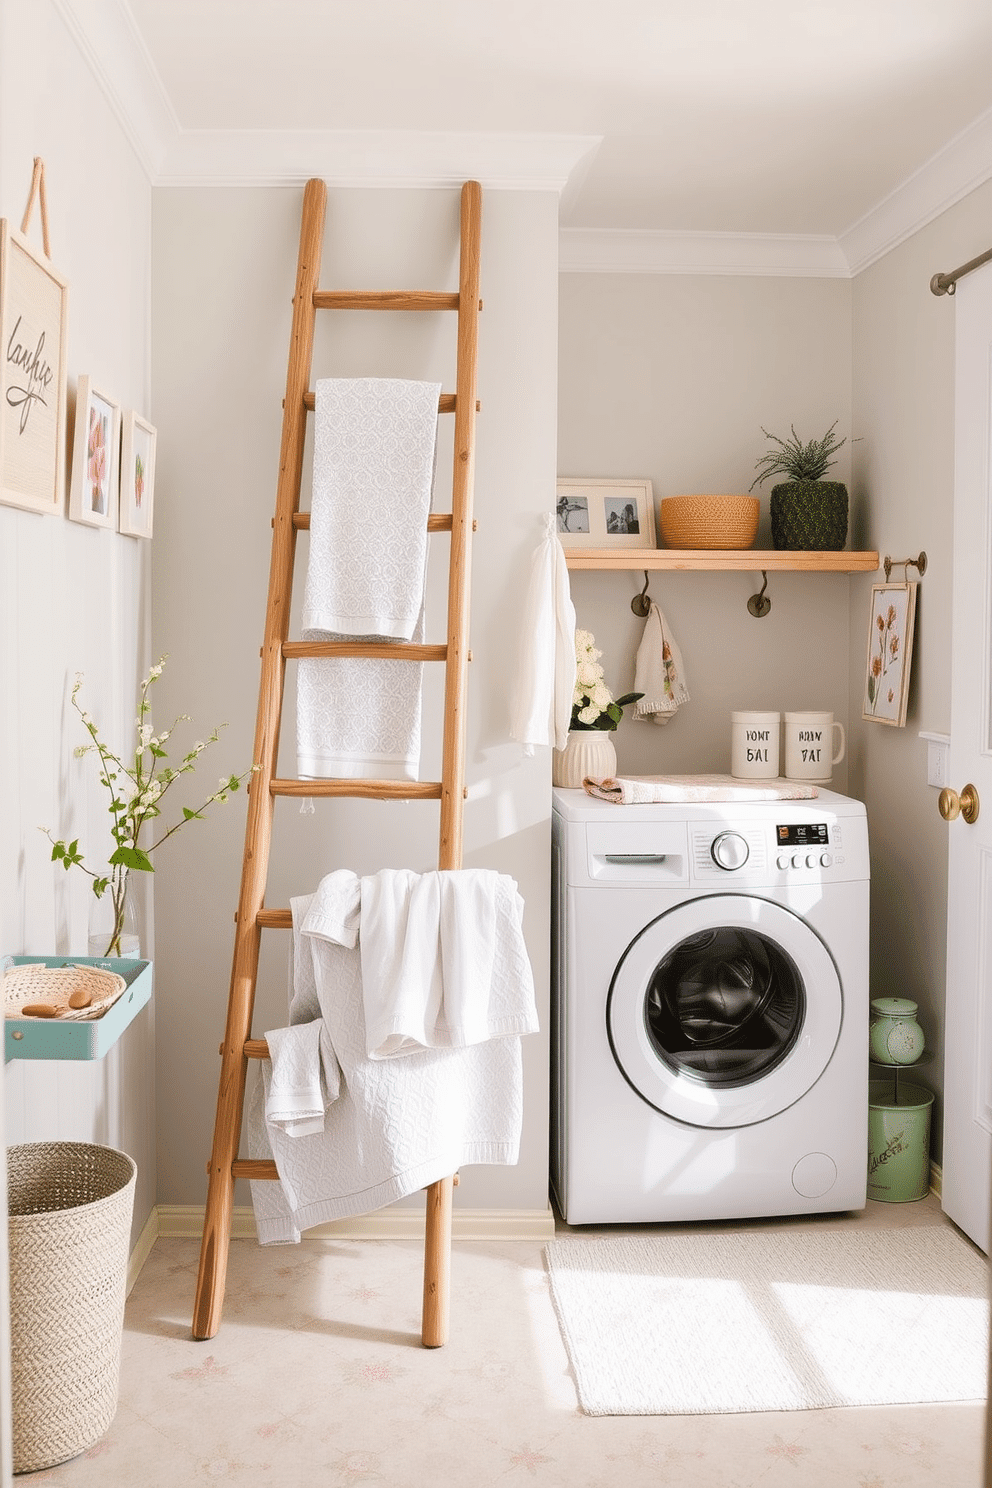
{"type": "Point", "coordinates": [725, 1010]}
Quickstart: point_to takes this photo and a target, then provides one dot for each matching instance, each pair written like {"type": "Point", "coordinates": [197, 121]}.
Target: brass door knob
{"type": "Point", "coordinates": [951, 805]}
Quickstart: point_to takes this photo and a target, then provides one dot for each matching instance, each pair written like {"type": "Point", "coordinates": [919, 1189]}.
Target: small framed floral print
{"type": "Point", "coordinates": [93, 489]}
{"type": "Point", "coordinates": [890, 650]}
{"type": "Point", "coordinates": [137, 475]}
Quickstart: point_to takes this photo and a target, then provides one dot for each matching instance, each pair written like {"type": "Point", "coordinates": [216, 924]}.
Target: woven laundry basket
{"type": "Point", "coordinates": [69, 1218]}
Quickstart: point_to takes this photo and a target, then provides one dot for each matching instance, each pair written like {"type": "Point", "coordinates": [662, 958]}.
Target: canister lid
{"type": "Point", "coordinates": [894, 1007]}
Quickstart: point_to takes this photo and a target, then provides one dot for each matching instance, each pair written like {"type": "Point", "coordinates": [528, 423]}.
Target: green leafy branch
{"type": "Point", "coordinates": [137, 791]}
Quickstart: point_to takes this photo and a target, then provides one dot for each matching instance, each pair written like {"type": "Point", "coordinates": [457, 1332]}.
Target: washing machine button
{"type": "Point", "coordinates": [797, 861]}
{"type": "Point", "coordinates": [810, 861]}
{"type": "Point", "coordinates": [825, 860]}
{"type": "Point", "coordinates": [729, 850]}
{"type": "Point", "coordinates": [782, 861]}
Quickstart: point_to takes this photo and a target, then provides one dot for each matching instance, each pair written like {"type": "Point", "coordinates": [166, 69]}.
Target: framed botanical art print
{"type": "Point", "coordinates": [890, 650]}
{"type": "Point", "coordinates": [93, 488]}
{"type": "Point", "coordinates": [137, 476]}
{"type": "Point", "coordinates": [33, 299]}
{"type": "Point", "coordinates": [605, 513]}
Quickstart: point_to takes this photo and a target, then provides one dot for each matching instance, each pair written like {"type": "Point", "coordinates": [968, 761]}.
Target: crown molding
{"type": "Point", "coordinates": [963, 164]}
{"type": "Point", "coordinates": [112, 46]}
{"type": "Point", "coordinates": [374, 158]}
{"type": "Point", "coordinates": [608, 251]}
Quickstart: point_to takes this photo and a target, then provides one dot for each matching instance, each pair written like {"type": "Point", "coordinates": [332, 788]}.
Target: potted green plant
{"type": "Point", "coordinates": [809, 514]}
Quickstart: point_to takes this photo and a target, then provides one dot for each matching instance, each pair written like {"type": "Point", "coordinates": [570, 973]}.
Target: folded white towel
{"type": "Point", "coordinates": [642, 789]}
{"type": "Point", "coordinates": [658, 671]}
{"type": "Point", "coordinates": [444, 963]}
{"type": "Point", "coordinates": [542, 703]}
{"type": "Point", "coordinates": [296, 1100]}
{"type": "Point", "coordinates": [374, 447]}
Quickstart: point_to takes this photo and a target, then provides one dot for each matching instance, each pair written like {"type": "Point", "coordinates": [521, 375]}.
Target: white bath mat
{"type": "Point", "coordinates": [704, 1323]}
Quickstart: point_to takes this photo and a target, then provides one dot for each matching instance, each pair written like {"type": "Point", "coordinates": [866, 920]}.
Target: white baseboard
{"type": "Point", "coordinates": [142, 1248]}
{"type": "Point", "coordinates": [185, 1221]}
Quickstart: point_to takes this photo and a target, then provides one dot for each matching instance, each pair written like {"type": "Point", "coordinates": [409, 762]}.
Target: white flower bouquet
{"type": "Point", "coordinates": [593, 704]}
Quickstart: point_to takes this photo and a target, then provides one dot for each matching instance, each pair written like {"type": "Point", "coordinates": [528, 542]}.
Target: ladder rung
{"type": "Point", "coordinates": [381, 650]}
{"type": "Point", "coordinates": [446, 403]}
{"type": "Point", "coordinates": [393, 790]}
{"type": "Point", "coordinates": [436, 522]}
{"type": "Point", "coordinates": [274, 919]}
{"type": "Point", "coordinates": [257, 1048]}
{"type": "Point", "coordinates": [254, 1167]}
{"type": "Point", "coordinates": [384, 299]}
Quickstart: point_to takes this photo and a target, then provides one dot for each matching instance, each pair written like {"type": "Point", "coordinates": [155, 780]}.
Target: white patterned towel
{"type": "Point", "coordinates": [641, 790]}
{"type": "Point", "coordinates": [658, 671]}
{"type": "Point", "coordinates": [374, 448]}
{"type": "Point", "coordinates": [397, 1125]}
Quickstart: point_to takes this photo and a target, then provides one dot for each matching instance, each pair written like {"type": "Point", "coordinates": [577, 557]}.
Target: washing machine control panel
{"type": "Point", "coordinates": [750, 851]}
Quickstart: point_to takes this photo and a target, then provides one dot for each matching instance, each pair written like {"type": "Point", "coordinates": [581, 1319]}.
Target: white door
{"type": "Point", "coordinates": [967, 1156]}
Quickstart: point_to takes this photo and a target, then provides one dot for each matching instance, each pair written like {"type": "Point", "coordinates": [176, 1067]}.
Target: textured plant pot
{"type": "Point", "coordinates": [809, 516]}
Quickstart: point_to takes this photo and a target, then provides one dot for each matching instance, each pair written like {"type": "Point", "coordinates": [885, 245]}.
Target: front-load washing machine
{"type": "Point", "coordinates": [710, 1008]}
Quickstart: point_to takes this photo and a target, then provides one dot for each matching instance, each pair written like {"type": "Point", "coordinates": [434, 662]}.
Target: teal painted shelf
{"type": "Point", "coordinates": [54, 1038]}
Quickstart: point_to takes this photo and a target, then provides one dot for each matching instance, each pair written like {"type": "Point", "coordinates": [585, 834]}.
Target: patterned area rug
{"type": "Point", "coordinates": [710, 1324]}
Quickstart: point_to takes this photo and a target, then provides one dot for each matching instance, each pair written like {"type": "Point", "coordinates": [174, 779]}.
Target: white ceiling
{"type": "Point", "coordinates": [742, 117]}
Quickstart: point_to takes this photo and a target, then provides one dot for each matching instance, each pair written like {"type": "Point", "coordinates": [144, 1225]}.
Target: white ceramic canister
{"type": "Point", "coordinates": [754, 745]}
{"type": "Point", "coordinates": [814, 743]}
{"type": "Point", "coordinates": [894, 1035]}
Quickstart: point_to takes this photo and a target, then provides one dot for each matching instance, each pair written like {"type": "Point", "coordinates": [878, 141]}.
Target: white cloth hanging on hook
{"type": "Point", "coordinates": [542, 700]}
{"type": "Point", "coordinates": [658, 672]}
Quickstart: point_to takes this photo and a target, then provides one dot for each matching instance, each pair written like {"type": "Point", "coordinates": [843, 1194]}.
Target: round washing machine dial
{"type": "Point", "coordinates": [729, 851]}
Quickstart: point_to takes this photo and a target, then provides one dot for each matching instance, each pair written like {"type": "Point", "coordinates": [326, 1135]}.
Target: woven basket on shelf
{"type": "Point", "coordinates": [52, 987]}
{"type": "Point", "coordinates": [69, 1221]}
{"type": "Point", "coordinates": [709, 521]}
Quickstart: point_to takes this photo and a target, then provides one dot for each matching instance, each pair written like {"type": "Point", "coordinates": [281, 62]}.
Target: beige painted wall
{"type": "Point", "coordinates": [224, 268]}
{"type": "Point", "coordinates": [903, 477]}
{"type": "Point", "coordinates": [673, 377]}
{"type": "Point", "coordinates": [72, 598]}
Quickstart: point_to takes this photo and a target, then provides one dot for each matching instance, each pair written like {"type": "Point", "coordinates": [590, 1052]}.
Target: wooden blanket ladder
{"type": "Point", "coordinates": [252, 917]}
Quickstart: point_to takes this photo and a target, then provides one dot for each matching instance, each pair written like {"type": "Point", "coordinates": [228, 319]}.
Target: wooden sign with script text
{"type": "Point", "coordinates": [33, 301]}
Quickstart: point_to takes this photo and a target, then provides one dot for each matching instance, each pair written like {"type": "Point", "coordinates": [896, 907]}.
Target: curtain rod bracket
{"type": "Point", "coordinates": [920, 564]}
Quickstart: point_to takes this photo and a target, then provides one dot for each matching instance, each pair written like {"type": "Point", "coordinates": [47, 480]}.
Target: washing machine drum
{"type": "Point", "coordinates": [724, 1011]}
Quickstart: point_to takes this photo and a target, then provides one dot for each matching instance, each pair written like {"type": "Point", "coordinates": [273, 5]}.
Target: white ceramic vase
{"type": "Point", "coordinates": [586, 752]}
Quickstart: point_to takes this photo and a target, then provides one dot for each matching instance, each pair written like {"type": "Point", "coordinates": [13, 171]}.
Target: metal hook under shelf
{"type": "Point", "coordinates": [759, 604]}
{"type": "Point", "coordinates": [640, 604]}
{"type": "Point", "coordinates": [920, 564]}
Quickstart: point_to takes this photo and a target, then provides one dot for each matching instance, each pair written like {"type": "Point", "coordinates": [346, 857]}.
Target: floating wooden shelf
{"type": "Point", "coordinates": [701, 559]}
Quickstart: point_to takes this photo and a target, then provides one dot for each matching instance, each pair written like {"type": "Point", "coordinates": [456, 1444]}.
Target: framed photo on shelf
{"type": "Point", "coordinates": [890, 651]}
{"type": "Point", "coordinates": [605, 513]}
{"type": "Point", "coordinates": [96, 444]}
{"type": "Point", "coordinates": [33, 300]}
{"type": "Point", "coordinates": [137, 475]}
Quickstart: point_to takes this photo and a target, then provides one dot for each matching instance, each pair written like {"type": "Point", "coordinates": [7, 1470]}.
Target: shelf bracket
{"type": "Point", "coordinates": [759, 604]}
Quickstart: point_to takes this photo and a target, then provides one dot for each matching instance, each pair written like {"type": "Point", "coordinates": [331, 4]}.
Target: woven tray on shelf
{"type": "Point", "coordinates": [52, 986]}
{"type": "Point", "coordinates": [709, 521]}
